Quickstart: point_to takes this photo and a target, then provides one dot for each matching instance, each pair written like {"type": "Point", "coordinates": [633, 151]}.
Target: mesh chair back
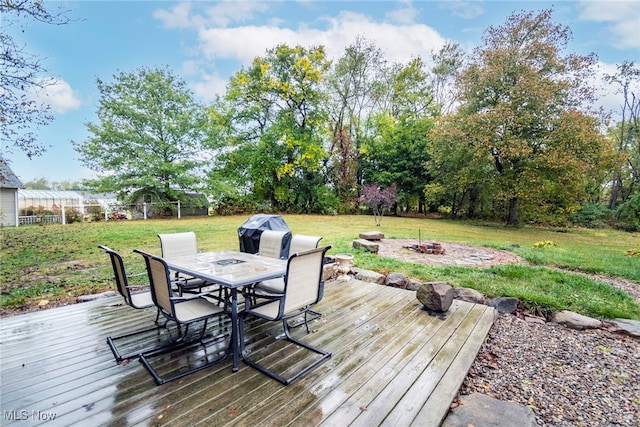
{"type": "Point", "coordinates": [119, 274]}
{"type": "Point", "coordinates": [271, 243]}
{"type": "Point", "coordinates": [160, 283]}
{"type": "Point", "coordinates": [303, 281]}
{"type": "Point", "coordinates": [178, 244]}
{"type": "Point", "coordinates": [301, 242]}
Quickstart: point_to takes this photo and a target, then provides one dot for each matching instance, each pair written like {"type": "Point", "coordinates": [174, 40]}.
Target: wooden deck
{"type": "Point", "coordinates": [392, 364]}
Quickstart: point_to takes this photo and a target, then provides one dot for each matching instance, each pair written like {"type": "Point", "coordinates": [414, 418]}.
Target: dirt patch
{"type": "Point", "coordinates": [454, 254]}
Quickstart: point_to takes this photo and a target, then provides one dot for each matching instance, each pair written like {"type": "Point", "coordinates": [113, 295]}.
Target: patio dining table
{"type": "Point", "coordinates": [232, 270]}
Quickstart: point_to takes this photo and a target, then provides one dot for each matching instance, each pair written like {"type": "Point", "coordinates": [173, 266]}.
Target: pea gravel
{"type": "Point", "coordinates": [568, 377]}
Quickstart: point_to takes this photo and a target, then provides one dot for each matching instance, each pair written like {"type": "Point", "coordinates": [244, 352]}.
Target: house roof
{"type": "Point", "coordinates": [8, 179]}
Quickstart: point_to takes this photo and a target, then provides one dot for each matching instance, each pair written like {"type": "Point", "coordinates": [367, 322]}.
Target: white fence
{"type": "Point", "coordinates": [97, 212]}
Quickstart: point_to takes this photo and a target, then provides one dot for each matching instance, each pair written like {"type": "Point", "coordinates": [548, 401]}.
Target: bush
{"type": "Point", "coordinates": [591, 215]}
{"type": "Point", "coordinates": [628, 213]}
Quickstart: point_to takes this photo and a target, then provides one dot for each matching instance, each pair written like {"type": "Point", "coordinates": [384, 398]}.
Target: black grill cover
{"type": "Point", "coordinates": [249, 232]}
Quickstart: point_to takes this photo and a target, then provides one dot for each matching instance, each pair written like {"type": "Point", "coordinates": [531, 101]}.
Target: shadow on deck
{"type": "Point", "coordinates": [392, 364]}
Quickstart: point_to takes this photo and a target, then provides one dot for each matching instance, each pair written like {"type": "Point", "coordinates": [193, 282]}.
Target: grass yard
{"type": "Point", "coordinates": [58, 263]}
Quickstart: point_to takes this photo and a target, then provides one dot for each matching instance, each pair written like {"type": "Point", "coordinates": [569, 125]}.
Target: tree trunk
{"type": "Point", "coordinates": [513, 211]}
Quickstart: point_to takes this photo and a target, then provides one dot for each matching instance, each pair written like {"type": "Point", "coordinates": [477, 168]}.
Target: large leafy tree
{"type": "Point", "coordinates": [626, 134]}
{"type": "Point", "coordinates": [525, 112]}
{"type": "Point", "coordinates": [447, 62]}
{"type": "Point", "coordinates": [149, 139]}
{"type": "Point", "coordinates": [22, 74]}
{"type": "Point", "coordinates": [355, 86]}
{"type": "Point", "coordinates": [274, 109]}
{"type": "Point", "coordinates": [398, 152]}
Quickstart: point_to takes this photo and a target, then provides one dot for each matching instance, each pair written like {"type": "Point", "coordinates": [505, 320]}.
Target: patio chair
{"type": "Point", "coordinates": [179, 244]}
{"type": "Point", "coordinates": [137, 296]}
{"type": "Point", "coordinates": [184, 311]}
{"type": "Point", "coordinates": [272, 243]}
{"type": "Point", "coordinates": [299, 243]}
{"type": "Point", "coordinates": [303, 288]}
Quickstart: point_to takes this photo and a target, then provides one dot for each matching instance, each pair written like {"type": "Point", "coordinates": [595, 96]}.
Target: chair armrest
{"type": "Point", "coordinates": [189, 297]}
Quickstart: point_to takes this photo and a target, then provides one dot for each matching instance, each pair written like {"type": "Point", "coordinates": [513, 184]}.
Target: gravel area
{"type": "Point", "coordinates": [568, 377]}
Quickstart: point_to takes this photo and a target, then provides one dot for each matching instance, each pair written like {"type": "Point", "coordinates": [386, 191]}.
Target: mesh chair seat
{"type": "Point", "coordinates": [142, 299]}
{"type": "Point", "coordinates": [191, 310]}
{"type": "Point", "coordinates": [273, 285]}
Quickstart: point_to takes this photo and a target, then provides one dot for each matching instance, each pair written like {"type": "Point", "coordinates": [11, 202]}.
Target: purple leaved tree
{"type": "Point", "coordinates": [379, 200]}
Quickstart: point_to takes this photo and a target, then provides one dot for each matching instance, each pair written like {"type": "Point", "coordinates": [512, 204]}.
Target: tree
{"type": "Point", "coordinates": [275, 111]}
{"type": "Point", "coordinates": [354, 86]}
{"type": "Point", "coordinates": [149, 139]}
{"type": "Point", "coordinates": [447, 63]}
{"type": "Point", "coordinates": [398, 152]}
{"type": "Point", "coordinates": [22, 74]}
{"type": "Point", "coordinates": [526, 111]}
{"type": "Point", "coordinates": [379, 200]}
{"type": "Point", "coordinates": [626, 133]}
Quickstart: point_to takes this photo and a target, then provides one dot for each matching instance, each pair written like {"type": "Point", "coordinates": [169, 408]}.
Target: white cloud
{"type": "Point", "coordinates": [210, 86]}
{"type": "Point", "coordinates": [400, 42]}
{"type": "Point", "coordinates": [223, 34]}
{"type": "Point", "coordinates": [221, 14]}
{"type": "Point", "coordinates": [464, 9]}
{"type": "Point", "coordinates": [405, 14]}
{"type": "Point", "coordinates": [624, 17]}
{"type": "Point", "coordinates": [59, 95]}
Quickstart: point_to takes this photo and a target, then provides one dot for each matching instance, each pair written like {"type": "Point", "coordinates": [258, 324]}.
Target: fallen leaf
{"type": "Point", "coordinates": [43, 302]}
{"type": "Point", "coordinates": [363, 408]}
{"type": "Point", "coordinates": [233, 411]}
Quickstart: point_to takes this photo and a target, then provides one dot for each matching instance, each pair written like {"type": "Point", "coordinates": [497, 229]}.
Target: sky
{"type": "Point", "coordinates": [206, 42]}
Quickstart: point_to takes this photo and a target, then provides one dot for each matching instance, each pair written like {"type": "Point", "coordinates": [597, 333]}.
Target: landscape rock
{"type": "Point", "coordinates": [413, 285]}
{"type": "Point", "coordinates": [397, 280]}
{"type": "Point", "coordinates": [575, 321]}
{"type": "Point", "coordinates": [329, 270]}
{"type": "Point", "coordinates": [469, 295]}
{"type": "Point", "coordinates": [366, 245]}
{"type": "Point", "coordinates": [436, 296]}
{"type": "Point", "coordinates": [480, 410]}
{"type": "Point", "coordinates": [626, 326]}
{"type": "Point", "coordinates": [504, 304]}
{"type": "Point", "coordinates": [368, 276]}
{"type": "Point", "coordinates": [93, 297]}
{"type": "Point", "coordinates": [372, 235]}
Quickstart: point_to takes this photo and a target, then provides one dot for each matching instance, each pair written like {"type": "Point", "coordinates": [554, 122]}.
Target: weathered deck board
{"type": "Point", "coordinates": [392, 364]}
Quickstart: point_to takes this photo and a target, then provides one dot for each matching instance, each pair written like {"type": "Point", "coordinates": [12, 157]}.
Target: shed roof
{"type": "Point", "coordinates": [8, 179]}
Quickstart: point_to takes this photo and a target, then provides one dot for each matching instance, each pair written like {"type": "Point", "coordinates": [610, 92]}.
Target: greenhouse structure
{"type": "Point", "coordinates": [49, 206]}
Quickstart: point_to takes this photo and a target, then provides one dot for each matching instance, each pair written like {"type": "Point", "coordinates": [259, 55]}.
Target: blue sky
{"type": "Point", "coordinates": [205, 42]}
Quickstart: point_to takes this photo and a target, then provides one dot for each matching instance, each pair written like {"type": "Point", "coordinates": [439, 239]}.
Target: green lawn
{"type": "Point", "coordinates": [56, 262]}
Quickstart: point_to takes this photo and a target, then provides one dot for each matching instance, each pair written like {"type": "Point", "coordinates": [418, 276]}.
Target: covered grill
{"type": "Point", "coordinates": [249, 232]}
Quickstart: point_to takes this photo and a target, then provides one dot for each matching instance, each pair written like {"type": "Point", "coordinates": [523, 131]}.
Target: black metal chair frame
{"type": "Point", "coordinates": [162, 294]}
{"type": "Point", "coordinates": [254, 301]}
{"type": "Point", "coordinates": [125, 290]}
